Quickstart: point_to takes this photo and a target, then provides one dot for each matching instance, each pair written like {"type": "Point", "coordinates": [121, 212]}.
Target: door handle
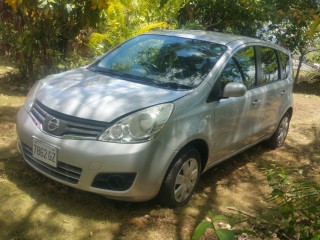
{"type": "Point", "coordinates": [256, 102]}
{"type": "Point", "coordinates": [283, 92]}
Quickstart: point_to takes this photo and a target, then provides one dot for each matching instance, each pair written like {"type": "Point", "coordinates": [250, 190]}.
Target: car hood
{"type": "Point", "coordinates": [85, 94]}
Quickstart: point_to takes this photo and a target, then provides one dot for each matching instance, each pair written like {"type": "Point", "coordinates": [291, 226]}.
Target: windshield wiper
{"type": "Point", "coordinates": [133, 78]}
{"type": "Point", "coordinates": [173, 85]}
{"type": "Point", "coordinates": [125, 76]}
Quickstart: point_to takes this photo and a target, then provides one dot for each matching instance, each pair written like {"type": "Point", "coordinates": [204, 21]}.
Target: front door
{"type": "Point", "coordinates": [237, 120]}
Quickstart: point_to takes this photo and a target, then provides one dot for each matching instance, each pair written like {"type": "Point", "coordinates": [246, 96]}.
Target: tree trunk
{"type": "Point", "coordinates": [298, 69]}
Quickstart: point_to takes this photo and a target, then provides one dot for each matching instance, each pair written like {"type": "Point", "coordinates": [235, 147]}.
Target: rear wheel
{"type": "Point", "coordinates": [182, 179]}
{"type": "Point", "coordinates": [279, 136]}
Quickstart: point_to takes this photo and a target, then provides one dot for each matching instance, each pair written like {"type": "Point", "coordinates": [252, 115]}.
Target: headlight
{"type": "Point", "coordinates": [31, 97]}
{"type": "Point", "coordinates": [140, 126]}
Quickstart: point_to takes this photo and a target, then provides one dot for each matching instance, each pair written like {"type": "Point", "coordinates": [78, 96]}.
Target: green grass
{"type": "Point", "coordinates": [35, 207]}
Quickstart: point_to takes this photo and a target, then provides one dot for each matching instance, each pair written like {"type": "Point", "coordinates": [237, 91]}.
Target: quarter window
{"type": "Point", "coordinates": [240, 68]}
{"type": "Point", "coordinates": [269, 64]}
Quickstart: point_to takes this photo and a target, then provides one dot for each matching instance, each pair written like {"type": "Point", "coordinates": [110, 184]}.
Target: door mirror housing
{"type": "Point", "coordinates": [234, 89]}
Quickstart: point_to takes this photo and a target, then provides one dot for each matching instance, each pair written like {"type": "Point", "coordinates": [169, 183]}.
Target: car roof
{"type": "Point", "coordinates": [228, 39]}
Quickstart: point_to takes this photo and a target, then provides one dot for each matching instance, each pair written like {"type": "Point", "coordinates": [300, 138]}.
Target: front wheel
{"type": "Point", "coordinates": [181, 179]}
{"type": "Point", "coordinates": [279, 136]}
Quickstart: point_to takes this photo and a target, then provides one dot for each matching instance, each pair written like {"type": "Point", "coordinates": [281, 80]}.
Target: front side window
{"type": "Point", "coordinates": [269, 64]}
{"type": "Point", "coordinates": [240, 68]}
{"type": "Point", "coordinates": [162, 60]}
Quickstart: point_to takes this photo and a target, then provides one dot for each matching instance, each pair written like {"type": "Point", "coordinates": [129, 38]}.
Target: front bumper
{"type": "Point", "coordinates": [85, 159]}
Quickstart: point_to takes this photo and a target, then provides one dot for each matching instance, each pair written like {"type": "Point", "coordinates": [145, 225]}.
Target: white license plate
{"type": "Point", "coordinates": [44, 152]}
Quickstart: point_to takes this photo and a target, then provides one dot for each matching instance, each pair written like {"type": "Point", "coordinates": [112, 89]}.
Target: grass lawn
{"type": "Point", "coordinates": [35, 207]}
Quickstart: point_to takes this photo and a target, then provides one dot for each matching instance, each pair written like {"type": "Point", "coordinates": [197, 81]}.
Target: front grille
{"type": "Point", "coordinates": [62, 125]}
{"type": "Point", "coordinates": [63, 171]}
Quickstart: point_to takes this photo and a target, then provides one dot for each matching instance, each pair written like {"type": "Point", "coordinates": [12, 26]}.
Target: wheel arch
{"type": "Point", "coordinates": [203, 149]}
{"type": "Point", "coordinates": [290, 111]}
{"type": "Point", "coordinates": [200, 145]}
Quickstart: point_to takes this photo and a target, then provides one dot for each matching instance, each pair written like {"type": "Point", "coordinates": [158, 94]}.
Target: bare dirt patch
{"type": "Point", "coordinates": [34, 207]}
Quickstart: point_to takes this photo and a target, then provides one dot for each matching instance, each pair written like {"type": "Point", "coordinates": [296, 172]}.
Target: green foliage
{"type": "Point", "coordinates": [291, 22]}
{"type": "Point", "coordinates": [39, 35]}
{"type": "Point", "coordinates": [241, 17]}
{"type": "Point", "coordinates": [294, 212]}
{"type": "Point", "coordinates": [314, 25]}
{"type": "Point", "coordinates": [294, 24]}
{"type": "Point", "coordinates": [195, 25]}
{"type": "Point", "coordinates": [125, 19]}
{"type": "Point", "coordinates": [227, 233]}
{"type": "Point", "coordinates": [42, 36]}
{"type": "Point", "coordinates": [297, 205]}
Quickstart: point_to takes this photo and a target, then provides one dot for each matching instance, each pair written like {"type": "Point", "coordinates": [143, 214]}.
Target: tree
{"type": "Point", "coordinates": [125, 19]}
{"type": "Point", "coordinates": [40, 32]}
{"type": "Point", "coordinates": [240, 17]}
{"type": "Point", "coordinates": [291, 26]}
{"type": "Point", "coordinates": [288, 21]}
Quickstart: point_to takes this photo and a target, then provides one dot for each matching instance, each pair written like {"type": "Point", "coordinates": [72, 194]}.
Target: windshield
{"type": "Point", "coordinates": [167, 61]}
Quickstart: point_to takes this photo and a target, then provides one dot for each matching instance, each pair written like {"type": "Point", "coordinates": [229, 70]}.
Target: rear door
{"type": "Point", "coordinates": [274, 85]}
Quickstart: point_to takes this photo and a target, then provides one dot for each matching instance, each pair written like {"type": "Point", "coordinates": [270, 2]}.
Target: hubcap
{"type": "Point", "coordinates": [283, 130]}
{"type": "Point", "coordinates": [186, 180]}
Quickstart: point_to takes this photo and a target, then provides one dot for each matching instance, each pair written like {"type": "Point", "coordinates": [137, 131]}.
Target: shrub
{"type": "Point", "coordinates": [294, 211]}
{"type": "Point", "coordinates": [224, 228]}
{"type": "Point", "coordinates": [39, 35]}
{"type": "Point", "coordinates": [296, 199]}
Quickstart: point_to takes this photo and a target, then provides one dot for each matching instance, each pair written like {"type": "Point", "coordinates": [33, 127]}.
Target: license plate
{"type": "Point", "coordinates": [44, 152]}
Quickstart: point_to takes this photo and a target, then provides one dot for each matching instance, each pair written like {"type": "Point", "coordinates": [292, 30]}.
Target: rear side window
{"type": "Point", "coordinates": [269, 64]}
{"type": "Point", "coordinates": [240, 68]}
{"type": "Point", "coordinates": [284, 59]}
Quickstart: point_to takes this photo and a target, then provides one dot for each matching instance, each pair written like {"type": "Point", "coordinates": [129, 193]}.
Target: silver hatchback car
{"type": "Point", "coordinates": [150, 116]}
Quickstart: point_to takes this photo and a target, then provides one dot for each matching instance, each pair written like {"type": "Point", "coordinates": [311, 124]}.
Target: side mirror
{"type": "Point", "coordinates": [234, 89]}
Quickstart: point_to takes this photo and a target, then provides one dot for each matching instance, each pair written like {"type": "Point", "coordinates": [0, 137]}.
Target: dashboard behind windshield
{"type": "Point", "coordinates": [163, 60]}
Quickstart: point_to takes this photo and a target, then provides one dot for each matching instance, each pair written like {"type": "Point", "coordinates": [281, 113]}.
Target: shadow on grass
{"type": "Point", "coordinates": [226, 174]}
{"type": "Point", "coordinates": [63, 199]}
{"type": "Point", "coordinates": [8, 114]}
{"type": "Point", "coordinates": [83, 205]}
{"type": "Point", "coordinates": [141, 217]}
{"type": "Point", "coordinates": [87, 206]}
{"type": "Point", "coordinates": [308, 88]}
{"type": "Point", "coordinates": [307, 156]}
{"type": "Point", "coordinates": [12, 85]}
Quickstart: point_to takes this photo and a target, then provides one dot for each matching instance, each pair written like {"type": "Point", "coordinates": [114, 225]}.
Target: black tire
{"type": "Point", "coordinates": [279, 136]}
{"type": "Point", "coordinates": [186, 170]}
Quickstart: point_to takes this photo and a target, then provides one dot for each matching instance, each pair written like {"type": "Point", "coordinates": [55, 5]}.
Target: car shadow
{"type": "Point", "coordinates": [73, 202]}
{"type": "Point", "coordinates": [227, 176]}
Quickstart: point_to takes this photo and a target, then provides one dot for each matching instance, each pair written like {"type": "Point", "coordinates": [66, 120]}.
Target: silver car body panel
{"type": "Point", "coordinates": [227, 126]}
{"type": "Point", "coordinates": [90, 95]}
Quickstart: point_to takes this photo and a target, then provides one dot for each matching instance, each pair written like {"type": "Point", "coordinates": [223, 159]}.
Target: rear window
{"type": "Point", "coordinates": [285, 66]}
{"type": "Point", "coordinates": [269, 64]}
